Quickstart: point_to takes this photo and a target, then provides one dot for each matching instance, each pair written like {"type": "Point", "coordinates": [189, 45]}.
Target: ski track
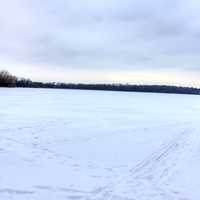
{"type": "Point", "coordinates": [152, 173]}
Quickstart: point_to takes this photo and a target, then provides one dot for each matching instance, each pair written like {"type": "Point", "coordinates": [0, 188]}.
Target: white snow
{"type": "Point", "coordinates": [95, 145]}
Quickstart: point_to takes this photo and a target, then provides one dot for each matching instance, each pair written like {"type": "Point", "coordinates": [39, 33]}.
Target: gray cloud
{"type": "Point", "coordinates": [141, 34]}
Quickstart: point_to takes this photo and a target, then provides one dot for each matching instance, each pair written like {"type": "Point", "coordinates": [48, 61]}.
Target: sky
{"type": "Point", "coordinates": [102, 41]}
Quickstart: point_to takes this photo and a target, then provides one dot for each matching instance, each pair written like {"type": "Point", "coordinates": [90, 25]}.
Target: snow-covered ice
{"type": "Point", "coordinates": [96, 145]}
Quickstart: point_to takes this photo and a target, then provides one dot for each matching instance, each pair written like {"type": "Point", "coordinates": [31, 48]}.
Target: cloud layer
{"type": "Point", "coordinates": [132, 36]}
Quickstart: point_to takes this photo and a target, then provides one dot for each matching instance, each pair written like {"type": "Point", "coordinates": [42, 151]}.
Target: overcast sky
{"type": "Point", "coordinates": [128, 41]}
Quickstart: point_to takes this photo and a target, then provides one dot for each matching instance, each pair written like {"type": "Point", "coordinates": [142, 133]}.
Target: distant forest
{"type": "Point", "coordinates": [8, 80]}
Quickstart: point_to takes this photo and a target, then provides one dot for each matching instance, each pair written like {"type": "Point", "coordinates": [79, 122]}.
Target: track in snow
{"type": "Point", "coordinates": [150, 178]}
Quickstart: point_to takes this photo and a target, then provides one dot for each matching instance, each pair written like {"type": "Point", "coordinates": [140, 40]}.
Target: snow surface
{"type": "Point", "coordinates": [95, 145]}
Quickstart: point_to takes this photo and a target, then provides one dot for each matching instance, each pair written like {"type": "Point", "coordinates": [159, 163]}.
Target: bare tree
{"type": "Point", "coordinates": [6, 79]}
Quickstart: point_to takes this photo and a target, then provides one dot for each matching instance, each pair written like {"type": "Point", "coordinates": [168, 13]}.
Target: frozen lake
{"type": "Point", "coordinates": [73, 144]}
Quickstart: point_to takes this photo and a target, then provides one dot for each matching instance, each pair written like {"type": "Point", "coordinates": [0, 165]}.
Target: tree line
{"type": "Point", "coordinates": [8, 80]}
